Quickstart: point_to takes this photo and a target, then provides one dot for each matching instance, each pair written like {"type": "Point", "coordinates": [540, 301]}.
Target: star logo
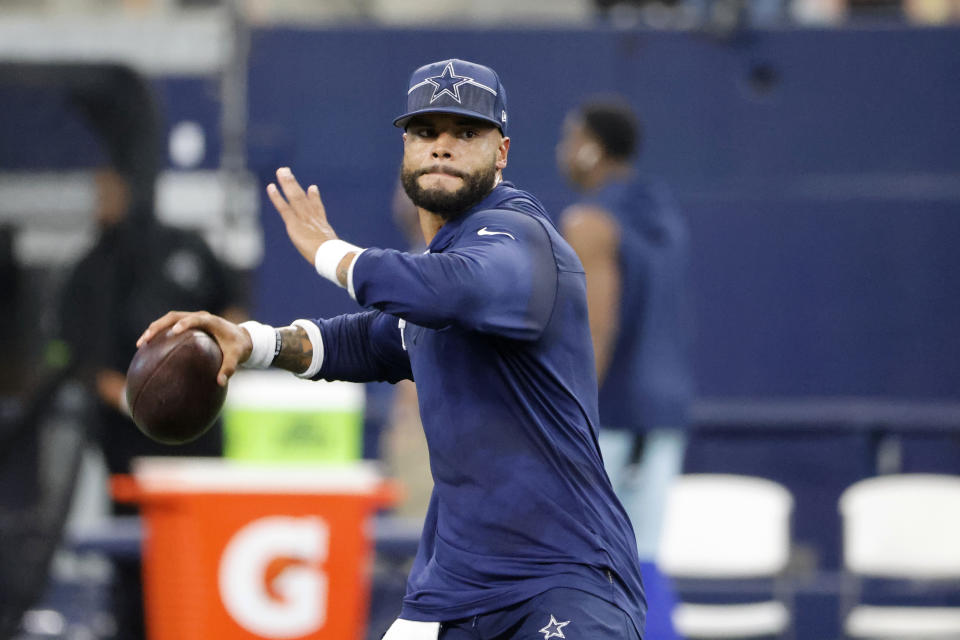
{"type": "Point", "coordinates": [554, 629]}
{"type": "Point", "coordinates": [448, 82]}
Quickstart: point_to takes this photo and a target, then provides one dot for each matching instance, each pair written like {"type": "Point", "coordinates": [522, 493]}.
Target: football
{"type": "Point", "coordinates": [172, 388]}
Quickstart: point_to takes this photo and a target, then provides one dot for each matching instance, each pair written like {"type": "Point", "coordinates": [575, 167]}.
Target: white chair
{"type": "Point", "coordinates": [720, 526]}
{"type": "Point", "coordinates": [904, 526]}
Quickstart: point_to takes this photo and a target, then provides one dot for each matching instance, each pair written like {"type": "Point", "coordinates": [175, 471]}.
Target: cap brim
{"type": "Point", "coordinates": [405, 118]}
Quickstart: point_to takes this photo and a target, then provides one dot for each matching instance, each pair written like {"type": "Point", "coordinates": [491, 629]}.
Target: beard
{"type": "Point", "coordinates": [448, 204]}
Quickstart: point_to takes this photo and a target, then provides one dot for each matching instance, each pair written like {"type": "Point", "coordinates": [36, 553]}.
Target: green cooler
{"type": "Point", "coordinates": [274, 416]}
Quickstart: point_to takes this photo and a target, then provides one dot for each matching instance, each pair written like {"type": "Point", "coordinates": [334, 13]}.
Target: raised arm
{"type": "Point", "coordinates": [500, 278]}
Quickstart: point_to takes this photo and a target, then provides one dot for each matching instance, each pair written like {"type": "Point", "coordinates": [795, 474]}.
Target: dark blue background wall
{"type": "Point", "coordinates": [820, 171]}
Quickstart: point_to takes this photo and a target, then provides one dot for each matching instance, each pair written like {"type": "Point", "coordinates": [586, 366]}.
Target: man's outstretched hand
{"type": "Point", "coordinates": [302, 212]}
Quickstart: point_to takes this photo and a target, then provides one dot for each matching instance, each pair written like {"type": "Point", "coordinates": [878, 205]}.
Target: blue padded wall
{"type": "Point", "coordinates": [818, 170]}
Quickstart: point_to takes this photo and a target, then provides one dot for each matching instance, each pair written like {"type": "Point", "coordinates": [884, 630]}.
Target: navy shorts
{"type": "Point", "coordinates": [567, 614]}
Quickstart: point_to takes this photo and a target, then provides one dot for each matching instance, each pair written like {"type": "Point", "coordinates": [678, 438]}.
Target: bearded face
{"type": "Point", "coordinates": [445, 202]}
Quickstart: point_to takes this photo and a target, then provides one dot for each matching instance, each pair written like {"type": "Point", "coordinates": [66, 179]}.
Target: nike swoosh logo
{"type": "Point", "coordinates": [484, 232]}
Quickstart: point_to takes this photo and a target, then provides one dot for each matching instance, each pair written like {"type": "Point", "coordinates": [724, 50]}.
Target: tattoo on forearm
{"type": "Point", "coordinates": [343, 269]}
{"type": "Point", "coordinates": [296, 350]}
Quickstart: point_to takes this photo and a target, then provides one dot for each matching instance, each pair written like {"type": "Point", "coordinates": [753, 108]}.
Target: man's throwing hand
{"type": "Point", "coordinates": [302, 212]}
{"type": "Point", "coordinates": [235, 342]}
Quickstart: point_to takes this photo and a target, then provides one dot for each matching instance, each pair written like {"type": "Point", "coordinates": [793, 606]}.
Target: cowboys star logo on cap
{"type": "Point", "coordinates": [448, 82]}
{"type": "Point", "coordinates": [456, 86]}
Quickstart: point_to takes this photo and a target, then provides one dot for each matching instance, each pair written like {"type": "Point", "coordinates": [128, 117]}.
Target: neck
{"type": "Point", "coordinates": [431, 223]}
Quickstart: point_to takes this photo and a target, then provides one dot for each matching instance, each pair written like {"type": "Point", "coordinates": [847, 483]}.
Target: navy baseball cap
{"type": "Point", "coordinates": [456, 86]}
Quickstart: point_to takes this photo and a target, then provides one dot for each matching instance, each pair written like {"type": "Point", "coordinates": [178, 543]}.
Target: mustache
{"type": "Point", "coordinates": [438, 168]}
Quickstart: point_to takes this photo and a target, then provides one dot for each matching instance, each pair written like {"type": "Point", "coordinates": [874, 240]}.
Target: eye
{"type": "Point", "coordinates": [469, 133]}
{"type": "Point", "coordinates": [422, 132]}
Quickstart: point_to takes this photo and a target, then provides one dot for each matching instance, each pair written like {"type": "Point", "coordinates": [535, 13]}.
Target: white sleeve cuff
{"type": "Point", "coordinates": [328, 258]}
{"type": "Point", "coordinates": [316, 340]}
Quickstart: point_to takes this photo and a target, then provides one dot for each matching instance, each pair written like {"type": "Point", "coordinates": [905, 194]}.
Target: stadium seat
{"type": "Point", "coordinates": [902, 527]}
{"type": "Point", "coordinates": [721, 528]}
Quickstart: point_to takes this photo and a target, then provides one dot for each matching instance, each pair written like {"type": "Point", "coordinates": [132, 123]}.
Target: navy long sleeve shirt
{"type": "Point", "coordinates": [491, 323]}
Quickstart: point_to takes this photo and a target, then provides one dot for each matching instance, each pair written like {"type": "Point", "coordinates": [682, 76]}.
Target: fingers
{"type": "Point", "coordinates": [303, 213]}
{"type": "Point", "coordinates": [313, 195]}
{"type": "Point", "coordinates": [293, 201]}
{"type": "Point", "coordinates": [197, 320]}
{"type": "Point", "coordinates": [160, 325]}
{"type": "Point", "coordinates": [278, 202]}
{"type": "Point", "coordinates": [291, 188]}
{"type": "Point", "coordinates": [178, 322]}
{"type": "Point", "coordinates": [291, 191]}
{"type": "Point", "coordinates": [223, 331]}
{"type": "Point", "coordinates": [227, 369]}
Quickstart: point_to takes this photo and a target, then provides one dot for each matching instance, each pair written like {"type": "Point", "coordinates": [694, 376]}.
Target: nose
{"type": "Point", "coordinates": [443, 146]}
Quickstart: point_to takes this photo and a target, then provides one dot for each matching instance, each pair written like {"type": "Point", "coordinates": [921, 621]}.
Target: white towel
{"type": "Point", "coordinates": [411, 630]}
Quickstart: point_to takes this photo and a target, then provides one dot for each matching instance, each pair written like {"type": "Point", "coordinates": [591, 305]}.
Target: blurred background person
{"type": "Point", "coordinates": [634, 247]}
{"type": "Point", "coordinates": [136, 268]}
{"type": "Point", "coordinates": [136, 264]}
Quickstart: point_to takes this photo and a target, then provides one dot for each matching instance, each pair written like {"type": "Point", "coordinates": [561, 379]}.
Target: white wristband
{"type": "Point", "coordinates": [264, 338]}
{"type": "Point", "coordinates": [316, 340]}
{"type": "Point", "coordinates": [328, 257]}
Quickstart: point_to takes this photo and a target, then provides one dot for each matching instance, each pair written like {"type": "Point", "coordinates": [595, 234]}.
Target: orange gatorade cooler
{"type": "Point", "coordinates": [237, 551]}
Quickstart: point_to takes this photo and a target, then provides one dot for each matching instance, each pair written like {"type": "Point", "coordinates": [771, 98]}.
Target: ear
{"type": "Point", "coordinates": [502, 151]}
